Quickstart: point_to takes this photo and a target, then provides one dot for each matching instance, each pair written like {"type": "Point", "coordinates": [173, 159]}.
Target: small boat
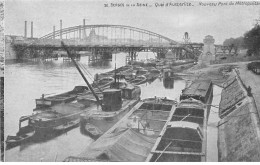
{"type": "Point", "coordinates": [130, 75]}
{"type": "Point", "coordinates": [24, 133]}
{"type": "Point", "coordinates": [103, 75]}
{"type": "Point", "coordinates": [121, 69]}
{"type": "Point", "coordinates": [126, 73]}
{"type": "Point", "coordinates": [142, 72]}
{"type": "Point", "coordinates": [161, 65]}
{"type": "Point", "coordinates": [92, 131]}
{"type": "Point", "coordinates": [60, 98]}
{"type": "Point", "coordinates": [138, 80]}
{"type": "Point", "coordinates": [103, 82]}
{"type": "Point", "coordinates": [153, 74]}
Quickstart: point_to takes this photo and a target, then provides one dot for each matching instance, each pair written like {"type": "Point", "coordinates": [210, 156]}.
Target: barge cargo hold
{"type": "Point", "coordinates": [132, 138]}
{"type": "Point", "coordinates": [184, 137]}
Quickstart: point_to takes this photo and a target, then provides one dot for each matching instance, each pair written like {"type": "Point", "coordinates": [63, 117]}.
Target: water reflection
{"type": "Point", "coordinates": [168, 83]}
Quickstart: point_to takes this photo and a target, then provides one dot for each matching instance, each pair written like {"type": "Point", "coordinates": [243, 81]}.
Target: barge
{"type": "Point", "coordinates": [60, 98]}
{"type": "Point", "coordinates": [25, 133]}
{"type": "Point", "coordinates": [57, 118]}
{"type": "Point", "coordinates": [138, 80]}
{"type": "Point", "coordinates": [72, 95]}
{"type": "Point", "coordinates": [184, 137]}
{"type": "Point", "coordinates": [116, 103]}
{"type": "Point", "coordinates": [132, 138]}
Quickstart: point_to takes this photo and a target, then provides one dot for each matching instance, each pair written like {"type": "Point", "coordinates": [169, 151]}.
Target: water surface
{"type": "Point", "coordinates": [26, 81]}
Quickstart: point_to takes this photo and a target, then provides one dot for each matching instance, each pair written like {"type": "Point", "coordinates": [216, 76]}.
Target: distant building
{"type": "Point", "coordinates": [170, 55]}
{"type": "Point", "coordinates": [94, 37]}
{"type": "Point", "coordinates": [209, 47]}
{"type": "Point", "coordinates": [208, 50]}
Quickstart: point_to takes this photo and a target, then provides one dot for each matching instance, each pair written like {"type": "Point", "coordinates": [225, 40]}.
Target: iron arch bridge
{"type": "Point", "coordinates": [110, 35]}
{"type": "Point", "coordinates": [104, 39]}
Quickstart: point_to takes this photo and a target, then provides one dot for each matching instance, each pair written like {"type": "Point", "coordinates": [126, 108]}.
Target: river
{"type": "Point", "coordinates": [26, 81]}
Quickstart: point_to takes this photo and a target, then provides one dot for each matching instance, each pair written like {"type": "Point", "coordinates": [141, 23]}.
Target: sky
{"type": "Point", "coordinates": [221, 22]}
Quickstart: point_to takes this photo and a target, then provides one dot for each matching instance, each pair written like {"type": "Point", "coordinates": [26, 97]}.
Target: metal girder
{"type": "Point", "coordinates": [81, 27]}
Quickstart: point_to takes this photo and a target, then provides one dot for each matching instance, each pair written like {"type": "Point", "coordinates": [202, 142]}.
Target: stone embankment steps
{"type": "Point", "coordinates": [239, 127]}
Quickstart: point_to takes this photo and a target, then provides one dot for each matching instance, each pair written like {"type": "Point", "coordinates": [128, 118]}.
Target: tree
{"type": "Point", "coordinates": [252, 40]}
{"type": "Point", "coordinates": [235, 42]}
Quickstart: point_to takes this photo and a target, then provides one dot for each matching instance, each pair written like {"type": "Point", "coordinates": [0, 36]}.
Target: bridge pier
{"type": "Point", "coordinates": [160, 55]}
{"type": "Point", "coordinates": [99, 54]}
{"type": "Point", "coordinates": [132, 56]}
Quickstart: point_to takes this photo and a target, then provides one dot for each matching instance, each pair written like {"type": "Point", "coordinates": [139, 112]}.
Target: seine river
{"type": "Point", "coordinates": [26, 81]}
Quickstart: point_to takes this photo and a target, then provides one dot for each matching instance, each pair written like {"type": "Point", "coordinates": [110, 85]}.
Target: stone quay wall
{"type": "Point", "coordinates": [239, 127]}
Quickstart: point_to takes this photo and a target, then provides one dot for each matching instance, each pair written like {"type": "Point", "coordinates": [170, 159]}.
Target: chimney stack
{"type": "Point", "coordinates": [61, 29]}
{"type": "Point", "coordinates": [25, 29]}
{"type": "Point", "coordinates": [84, 32]}
{"type": "Point", "coordinates": [31, 29]}
{"type": "Point", "coordinates": [53, 32]}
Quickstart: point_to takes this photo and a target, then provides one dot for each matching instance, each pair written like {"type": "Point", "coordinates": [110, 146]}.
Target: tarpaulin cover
{"type": "Point", "coordinates": [124, 145]}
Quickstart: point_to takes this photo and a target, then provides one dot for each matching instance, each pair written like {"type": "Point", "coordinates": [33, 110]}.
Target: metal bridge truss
{"type": "Point", "coordinates": [105, 35]}
{"type": "Point", "coordinates": [103, 39]}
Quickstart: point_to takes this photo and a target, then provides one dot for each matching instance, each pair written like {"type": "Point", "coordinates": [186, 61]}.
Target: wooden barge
{"type": "Point", "coordinates": [116, 102]}
{"type": "Point", "coordinates": [132, 138]}
{"type": "Point", "coordinates": [57, 118]}
{"type": "Point", "coordinates": [70, 96]}
{"type": "Point", "coordinates": [25, 133]}
{"type": "Point", "coordinates": [60, 98]}
{"type": "Point", "coordinates": [184, 136]}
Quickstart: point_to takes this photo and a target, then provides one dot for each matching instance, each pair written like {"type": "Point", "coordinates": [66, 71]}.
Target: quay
{"type": "Point", "coordinates": [239, 126]}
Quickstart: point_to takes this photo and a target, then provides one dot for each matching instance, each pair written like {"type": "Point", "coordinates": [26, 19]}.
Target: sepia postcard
{"type": "Point", "coordinates": [130, 80]}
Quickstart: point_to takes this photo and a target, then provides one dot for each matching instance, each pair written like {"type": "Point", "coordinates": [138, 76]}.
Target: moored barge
{"type": "Point", "coordinates": [116, 102]}
{"type": "Point", "coordinates": [132, 138]}
{"type": "Point", "coordinates": [184, 137]}
{"type": "Point", "coordinates": [66, 97]}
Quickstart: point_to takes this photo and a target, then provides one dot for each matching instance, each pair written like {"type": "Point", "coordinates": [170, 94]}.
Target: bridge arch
{"type": "Point", "coordinates": [111, 33]}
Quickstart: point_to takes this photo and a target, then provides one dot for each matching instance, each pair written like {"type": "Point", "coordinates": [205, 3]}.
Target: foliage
{"type": "Point", "coordinates": [235, 42]}
{"type": "Point", "coordinates": [252, 40]}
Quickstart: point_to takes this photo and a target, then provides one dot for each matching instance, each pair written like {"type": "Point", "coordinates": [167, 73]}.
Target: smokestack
{"type": "Point", "coordinates": [61, 29]}
{"type": "Point", "coordinates": [53, 32]}
{"type": "Point", "coordinates": [84, 32]}
{"type": "Point", "coordinates": [31, 29]}
{"type": "Point", "coordinates": [79, 33]}
{"type": "Point", "coordinates": [25, 29]}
